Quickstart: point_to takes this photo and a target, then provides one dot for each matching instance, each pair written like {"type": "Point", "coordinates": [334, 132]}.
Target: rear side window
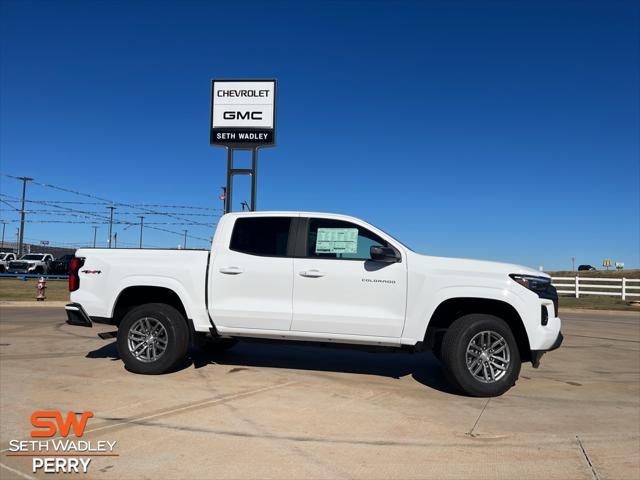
{"type": "Point", "coordinates": [265, 236]}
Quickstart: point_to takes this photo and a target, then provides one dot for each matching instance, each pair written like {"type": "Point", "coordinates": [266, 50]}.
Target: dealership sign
{"type": "Point", "coordinates": [243, 113]}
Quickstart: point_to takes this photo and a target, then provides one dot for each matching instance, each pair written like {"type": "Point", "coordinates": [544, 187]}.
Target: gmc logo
{"type": "Point", "coordinates": [242, 115]}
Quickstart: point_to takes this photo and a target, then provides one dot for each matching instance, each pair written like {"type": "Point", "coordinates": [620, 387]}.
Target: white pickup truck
{"type": "Point", "coordinates": [322, 278]}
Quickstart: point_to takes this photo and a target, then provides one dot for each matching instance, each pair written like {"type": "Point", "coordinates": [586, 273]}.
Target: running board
{"type": "Point", "coordinates": [108, 335]}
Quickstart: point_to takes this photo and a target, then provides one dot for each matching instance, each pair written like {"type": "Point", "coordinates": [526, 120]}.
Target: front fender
{"type": "Point", "coordinates": [419, 317]}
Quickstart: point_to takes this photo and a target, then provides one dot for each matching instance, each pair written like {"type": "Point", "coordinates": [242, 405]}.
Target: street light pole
{"type": "Point", "coordinates": [141, 225]}
{"type": "Point", "coordinates": [185, 239]}
{"type": "Point", "coordinates": [24, 193]}
{"type": "Point", "coordinates": [95, 231]}
{"type": "Point", "coordinates": [112, 208]}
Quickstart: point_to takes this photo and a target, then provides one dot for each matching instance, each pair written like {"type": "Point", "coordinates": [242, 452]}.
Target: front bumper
{"type": "Point", "coordinates": [536, 355]}
{"type": "Point", "coordinates": [77, 316]}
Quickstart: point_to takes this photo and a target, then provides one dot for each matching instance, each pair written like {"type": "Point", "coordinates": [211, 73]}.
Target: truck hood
{"type": "Point", "coordinates": [474, 268]}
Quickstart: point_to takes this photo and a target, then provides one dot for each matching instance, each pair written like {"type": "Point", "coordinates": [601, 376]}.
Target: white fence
{"type": "Point", "coordinates": [614, 287]}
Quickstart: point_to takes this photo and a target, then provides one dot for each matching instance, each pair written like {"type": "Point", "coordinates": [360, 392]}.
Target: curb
{"type": "Point", "coordinates": [628, 312]}
{"type": "Point", "coordinates": [33, 303]}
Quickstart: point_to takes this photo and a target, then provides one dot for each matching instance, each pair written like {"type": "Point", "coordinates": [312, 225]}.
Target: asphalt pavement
{"type": "Point", "coordinates": [290, 411]}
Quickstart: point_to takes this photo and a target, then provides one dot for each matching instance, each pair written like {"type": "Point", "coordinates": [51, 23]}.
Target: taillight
{"type": "Point", "coordinates": [74, 278]}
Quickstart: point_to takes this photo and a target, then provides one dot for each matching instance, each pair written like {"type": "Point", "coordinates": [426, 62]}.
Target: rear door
{"type": "Point", "coordinates": [252, 279]}
{"type": "Point", "coordinates": [338, 288]}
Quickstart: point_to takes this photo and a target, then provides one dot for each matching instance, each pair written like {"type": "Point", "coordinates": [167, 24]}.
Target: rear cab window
{"type": "Point", "coordinates": [263, 236]}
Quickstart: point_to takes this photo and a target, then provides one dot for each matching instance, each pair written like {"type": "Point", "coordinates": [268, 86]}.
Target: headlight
{"type": "Point", "coordinates": [537, 284]}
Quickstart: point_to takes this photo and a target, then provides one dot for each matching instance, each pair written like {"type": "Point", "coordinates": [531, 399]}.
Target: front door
{"type": "Point", "coordinates": [338, 289]}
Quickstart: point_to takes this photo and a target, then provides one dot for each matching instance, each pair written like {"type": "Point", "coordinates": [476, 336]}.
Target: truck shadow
{"type": "Point", "coordinates": [423, 367]}
{"type": "Point", "coordinates": [110, 350]}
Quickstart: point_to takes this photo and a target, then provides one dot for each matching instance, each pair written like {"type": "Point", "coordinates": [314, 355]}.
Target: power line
{"type": "Point", "coordinates": [186, 207]}
{"type": "Point", "coordinates": [55, 212]}
{"type": "Point", "coordinates": [76, 192]}
{"type": "Point", "coordinates": [115, 222]}
{"type": "Point", "coordinates": [104, 201]}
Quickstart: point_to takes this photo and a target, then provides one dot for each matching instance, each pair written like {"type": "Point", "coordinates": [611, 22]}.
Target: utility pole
{"type": "Point", "coordinates": [185, 239]}
{"type": "Point", "coordinates": [95, 231]}
{"type": "Point", "coordinates": [4, 224]}
{"type": "Point", "coordinates": [112, 208]}
{"type": "Point", "coordinates": [24, 193]}
{"type": "Point", "coordinates": [223, 197]}
{"type": "Point", "coordinates": [573, 264]}
{"type": "Point", "coordinates": [141, 225]}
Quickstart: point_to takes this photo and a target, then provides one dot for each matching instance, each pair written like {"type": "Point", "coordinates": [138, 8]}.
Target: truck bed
{"type": "Point", "coordinates": [106, 273]}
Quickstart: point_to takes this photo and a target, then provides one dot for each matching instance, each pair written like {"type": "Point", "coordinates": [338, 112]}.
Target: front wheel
{"type": "Point", "coordinates": [480, 355]}
{"type": "Point", "coordinates": [153, 339]}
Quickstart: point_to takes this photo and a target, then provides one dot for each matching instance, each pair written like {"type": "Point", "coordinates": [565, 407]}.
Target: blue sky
{"type": "Point", "coordinates": [501, 130]}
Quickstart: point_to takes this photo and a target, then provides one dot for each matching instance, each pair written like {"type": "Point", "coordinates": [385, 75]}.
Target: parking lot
{"type": "Point", "coordinates": [276, 411]}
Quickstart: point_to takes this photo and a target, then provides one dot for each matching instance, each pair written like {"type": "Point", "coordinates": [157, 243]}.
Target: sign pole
{"type": "Point", "coordinates": [229, 192]}
{"type": "Point", "coordinates": [254, 177]}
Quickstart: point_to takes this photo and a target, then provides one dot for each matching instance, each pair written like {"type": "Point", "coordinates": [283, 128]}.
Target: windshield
{"type": "Point", "coordinates": [32, 257]}
{"type": "Point", "coordinates": [401, 243]}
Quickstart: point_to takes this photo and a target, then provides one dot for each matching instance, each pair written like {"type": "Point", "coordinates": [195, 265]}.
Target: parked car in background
{"type": "Point", "coordinates": [60, 266]}
{"type": "Point", "coordinates": [31, 263]}
{"type": "Point", "coordinates": [5, 258]}
{"type": "Point", "coordinates": [583, 268]}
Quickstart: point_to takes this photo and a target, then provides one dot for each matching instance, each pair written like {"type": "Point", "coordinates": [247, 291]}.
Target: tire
{"type": "Point", "coordinates": [437, 351]}
{"type": "Point", "coordinates": [469, 367]}
{"type": "Point", "coordinates": [165, 327]}
{"type": "Point", "coordinates": [39, 271]}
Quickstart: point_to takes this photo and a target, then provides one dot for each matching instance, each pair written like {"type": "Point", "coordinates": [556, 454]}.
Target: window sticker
{"type": "Point", "coordinates": [337, 240]}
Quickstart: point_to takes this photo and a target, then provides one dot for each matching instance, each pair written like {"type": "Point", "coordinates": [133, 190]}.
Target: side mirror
{"type": "Point", "coordinates": [384, 254]}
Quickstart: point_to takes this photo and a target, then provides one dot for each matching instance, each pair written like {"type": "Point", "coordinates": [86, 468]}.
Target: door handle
{"type": "Point", "coordinates": [231, 270]}
{"type": "Point", "coordinates": [312, 273]}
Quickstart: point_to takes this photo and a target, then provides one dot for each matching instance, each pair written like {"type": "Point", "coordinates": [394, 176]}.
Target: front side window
{"type": "Point", "coordinates": [264, 236]}
{"type": "Point", "coordinates": [339, 239]}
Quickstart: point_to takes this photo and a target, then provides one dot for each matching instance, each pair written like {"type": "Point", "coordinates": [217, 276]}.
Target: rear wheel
{"type": "Point", "coordinates": [480, 355]}
{"type": "Point", "coordinates": [153, 339]}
